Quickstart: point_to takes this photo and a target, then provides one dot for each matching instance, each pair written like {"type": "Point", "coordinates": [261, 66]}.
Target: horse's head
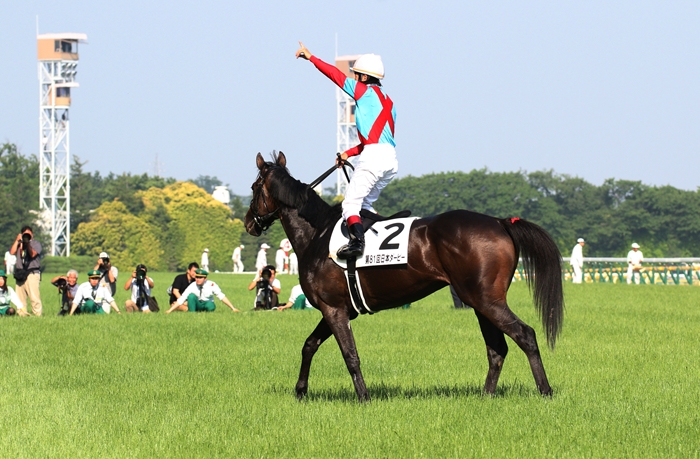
{"type": "Point", "coordinates": [264, 208]}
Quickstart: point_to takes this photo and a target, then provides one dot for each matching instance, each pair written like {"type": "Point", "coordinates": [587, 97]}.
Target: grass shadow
{"type": "Point", "coordinates": [383, 391]}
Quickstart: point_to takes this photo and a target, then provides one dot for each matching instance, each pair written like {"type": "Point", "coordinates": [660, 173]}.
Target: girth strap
{"type": "Point", "coordinates": [356, 296]}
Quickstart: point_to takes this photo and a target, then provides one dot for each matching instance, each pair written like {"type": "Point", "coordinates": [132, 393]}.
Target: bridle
{"type": "Point", "coordinates": [263, 221]}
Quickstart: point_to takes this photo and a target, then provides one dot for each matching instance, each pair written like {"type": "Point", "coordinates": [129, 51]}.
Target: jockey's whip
{"type": "Point", "coordinates": [323, 176]}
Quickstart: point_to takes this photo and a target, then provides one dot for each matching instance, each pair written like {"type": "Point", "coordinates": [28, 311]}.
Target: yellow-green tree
{"type": "Point", "coordinates": [195, 221]}
{"type": "Point", "coordinates": [127, 238]}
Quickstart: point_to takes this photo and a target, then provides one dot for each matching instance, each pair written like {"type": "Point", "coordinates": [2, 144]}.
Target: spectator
{"type": "Point", "coordinates": [7, 297]}
{"type": "Point", "coordinates": [280, 260]}
{"type": "Point", "coordinates": [94, 296]}
{"type": "Point", "coordinates": [68, 286]}
{"type": "Point", "coordinates": [576, 261]}
{"type": "Point", "coordinates": [297, 300]}
{"type": "Point", "coordinates": [261, 260]}
{"type": "Point", "coordinates": [140, 285]}
{"type": "Point", "coordinates": [10, 261]}
{"type": "Point", "coordinates": [236, 257]}
{"type": "Point", "coordinates": [205, 260]}
{"type": "Point", "coordinates": [293, 263]}
{"type": "Point", "coordinates": [200, 295]}
{"type": "Point", "coordinates": [267, 288]}
{"type": "Point", "coordinates": [181, 283]}
{"type": "Point", "coordinates": [108, 273]}
{"type": "Point", "coordinates": [27, 268]}
{"type": "Point", "coordinates": [634, 263]}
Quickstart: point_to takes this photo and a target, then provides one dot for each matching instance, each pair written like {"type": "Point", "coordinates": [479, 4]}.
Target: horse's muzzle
{"type": "Point", "coordinates": [251, 226]}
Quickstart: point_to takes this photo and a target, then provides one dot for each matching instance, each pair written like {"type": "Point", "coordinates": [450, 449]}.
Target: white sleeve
{"type": "Point", "coordinates": [186, 293]}
{"type": "Point", "coordinates": [14, 299]}
{"type": "Point", "coordinates": [216, 290]}
{"type": "Point", "coordinates": [115, 271]}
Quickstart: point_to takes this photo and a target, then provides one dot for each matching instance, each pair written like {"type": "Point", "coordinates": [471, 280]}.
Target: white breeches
{"type": "Point", "coordinates": [375, 168]}
{"type": "Point", "coordinates": [632, 273]}
{"type": "Point", "coordinates": [578, 274]}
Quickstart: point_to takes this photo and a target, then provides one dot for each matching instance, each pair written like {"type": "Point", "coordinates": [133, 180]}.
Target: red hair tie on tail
{"type": "Point", "coordinates": [513, 220]}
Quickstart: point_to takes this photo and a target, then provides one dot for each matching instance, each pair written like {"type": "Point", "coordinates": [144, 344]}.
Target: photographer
{"type": "Point", "coordinates": [93, 298]}
{"type": "Point", "coordinates": [108, 272]}
{"type": "Point", "coordinates": [200, 295]}
{"type": "Point", "coordinates": [27, 268]}
{"type": "Point", "coordinates": [268, 289]}
{"type": "Point", "coordinates": [68, 287]}
{"type": "Point", "coordinates": [140, 285]}
{"type": "Point", "coordinates": [7, 297]}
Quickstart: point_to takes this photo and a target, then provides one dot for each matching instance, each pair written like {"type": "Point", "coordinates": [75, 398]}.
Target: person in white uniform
{"type": "Point", "coordinates": [236, 257]}
{"type": "Point", "coordinates": [576, 261]}
{"type": "Point", "coordinates": [634, 263]}
{"type": "Point", "coordinates": [205, 260]}
{"type": "Point", "coordinates": [261, 260]}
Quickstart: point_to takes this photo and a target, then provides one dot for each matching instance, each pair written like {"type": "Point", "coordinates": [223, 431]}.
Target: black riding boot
{"type": "Point", "coordinates": [356, 246]}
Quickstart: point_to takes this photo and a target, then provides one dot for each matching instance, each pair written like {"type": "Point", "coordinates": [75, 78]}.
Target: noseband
{"type": "Point", "coordinates": [263, 221]}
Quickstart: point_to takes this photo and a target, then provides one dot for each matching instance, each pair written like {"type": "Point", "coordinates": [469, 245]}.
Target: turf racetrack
{"type": "Point", "coordinates": [624, 373]}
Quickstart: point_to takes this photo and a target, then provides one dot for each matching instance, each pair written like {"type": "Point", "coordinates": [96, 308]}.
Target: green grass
{"type": "Point", "coordinates": [624, 373]}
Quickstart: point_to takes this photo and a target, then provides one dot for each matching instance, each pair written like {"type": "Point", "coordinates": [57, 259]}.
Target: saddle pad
{"type": "Point", "coordinates": [386, 243]}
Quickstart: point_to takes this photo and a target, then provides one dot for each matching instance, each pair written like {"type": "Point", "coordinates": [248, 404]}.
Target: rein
{"type": "Point", "coordinates": [329, 171]}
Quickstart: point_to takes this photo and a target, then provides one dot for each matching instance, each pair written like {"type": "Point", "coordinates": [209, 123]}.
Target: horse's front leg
{"type": "Point", "coordinates": [339, 323]}
{"type": "Point", "coordinates": [315, 339]}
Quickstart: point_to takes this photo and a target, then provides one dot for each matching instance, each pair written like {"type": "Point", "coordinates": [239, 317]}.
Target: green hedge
{"type": "Point", "coordinates": [81, 263]}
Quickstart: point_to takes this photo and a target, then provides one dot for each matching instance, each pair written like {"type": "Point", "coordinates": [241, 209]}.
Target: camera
{"type": "Point", "coordinates": [105, 261]}
{"type": "Point", "coordinates": [140, 272]}
{"type": "Point", "coordinates": [61, 284]}
{"type": "Point", "coordinates": [26, 237]}
{"type": "Point", "coordinates": [264, 281]}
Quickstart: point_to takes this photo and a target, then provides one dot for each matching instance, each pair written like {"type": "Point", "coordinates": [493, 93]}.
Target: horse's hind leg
{"type": "Point", "coordinates": [311, 345]}
{"type": "Point", "coordinates": [496, 351]}
{"type": "Point", "coordinates": [524, 336]}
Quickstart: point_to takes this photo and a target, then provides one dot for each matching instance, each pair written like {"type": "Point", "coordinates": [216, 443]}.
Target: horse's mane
{"type": "Point", "coordinates": [292, 192]}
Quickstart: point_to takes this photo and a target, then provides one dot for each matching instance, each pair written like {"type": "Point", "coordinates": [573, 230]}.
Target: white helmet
{"type": "Point", "coordinates": [369, 64]}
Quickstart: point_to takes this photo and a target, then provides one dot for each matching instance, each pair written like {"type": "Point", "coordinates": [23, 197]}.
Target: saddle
{"type": "Point", "coordinates": [370, 218]}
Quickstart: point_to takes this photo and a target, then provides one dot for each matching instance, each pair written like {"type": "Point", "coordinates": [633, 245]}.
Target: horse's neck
{"type": "Point", "coordinates": [298, 230]}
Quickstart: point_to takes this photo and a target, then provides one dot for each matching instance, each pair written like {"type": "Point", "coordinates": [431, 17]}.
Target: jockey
{"type": "Point", "coordinates": [374, 117]}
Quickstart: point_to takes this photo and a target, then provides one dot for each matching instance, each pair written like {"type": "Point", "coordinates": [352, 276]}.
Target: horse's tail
{"type": "Point", "coordinates": [542, 263]}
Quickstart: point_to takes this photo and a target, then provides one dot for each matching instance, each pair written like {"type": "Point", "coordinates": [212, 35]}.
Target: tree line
{"type": "Point", "coordinates": [167, 223]}
{"type": "Point", "coordinates": [664, 220]}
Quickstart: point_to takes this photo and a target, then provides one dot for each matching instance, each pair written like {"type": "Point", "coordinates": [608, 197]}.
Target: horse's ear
{"type": "Point", "coordinates": [260, 161]}
{"type": "Point", "coordinates": [281, 160]}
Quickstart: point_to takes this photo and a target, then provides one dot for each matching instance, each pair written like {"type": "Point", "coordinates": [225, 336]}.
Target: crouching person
{"type": "Point", "coordinates": [140, 285]}
{"type": "Point", "coordinates": [93, 298]}
{"type": "Point", "coordinates": [199, 296]}
{"type": "Point", "coordinates": [9, 297]}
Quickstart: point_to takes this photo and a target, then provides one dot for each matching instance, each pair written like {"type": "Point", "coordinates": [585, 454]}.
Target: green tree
{"type": "Point", "coordinates": [196, 221]}
{"type": "Point", "coordinates": [19, 193]}
{"type": "Point", "coordinates": [128, 239]}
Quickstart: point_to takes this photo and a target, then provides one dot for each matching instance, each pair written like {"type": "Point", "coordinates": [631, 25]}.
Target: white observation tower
{"type": "Point", "coordinates": [345, 107]}
{"type": "Point", "coordinates": [58, 60]}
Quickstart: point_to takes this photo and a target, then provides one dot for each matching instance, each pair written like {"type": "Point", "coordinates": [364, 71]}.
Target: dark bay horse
{"type": "Point", "coordinates": [475, 253]}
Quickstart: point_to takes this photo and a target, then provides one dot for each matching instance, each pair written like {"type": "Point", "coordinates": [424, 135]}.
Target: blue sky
{"type": "Point", "coordinates": [594, 89]}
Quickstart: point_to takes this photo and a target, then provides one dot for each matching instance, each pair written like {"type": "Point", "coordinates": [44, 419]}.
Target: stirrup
{"type": "Point", "coordinates": [353, 249]}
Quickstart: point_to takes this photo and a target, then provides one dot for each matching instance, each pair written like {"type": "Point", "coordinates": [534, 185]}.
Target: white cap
{"type": "Point", "coordinates": [264, 246]}
{"type": "Point", "coordinates": [580, 240]}
{"type": "Point", "coordinates": [206, 250]}
{"type": "Point", "coordinates": [369, 64]}
{"type": "Point", "coordinates": [635, 245]}
{"type": "Point", "coordinates": [242, 246]}
{"type": "Point", "coordinates": [104, 255]}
